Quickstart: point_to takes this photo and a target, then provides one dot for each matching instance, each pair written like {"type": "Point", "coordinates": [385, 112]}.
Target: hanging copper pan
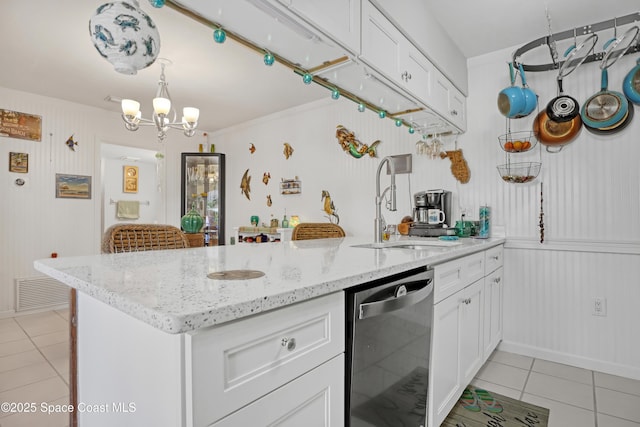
{"type": "Point", "coordinates": [555, 135]}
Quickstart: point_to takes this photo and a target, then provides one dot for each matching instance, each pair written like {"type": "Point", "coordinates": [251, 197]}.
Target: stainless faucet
{"type": "Point", "coordinates": [391, 205]}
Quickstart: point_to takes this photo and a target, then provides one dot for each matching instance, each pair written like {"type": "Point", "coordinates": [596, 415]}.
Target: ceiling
{"type": "Point", "coordinates": [49, 52]}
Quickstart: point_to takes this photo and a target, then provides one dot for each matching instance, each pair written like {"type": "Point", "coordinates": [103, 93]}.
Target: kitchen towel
{"type": "Point", "coordinates": [128, 209]}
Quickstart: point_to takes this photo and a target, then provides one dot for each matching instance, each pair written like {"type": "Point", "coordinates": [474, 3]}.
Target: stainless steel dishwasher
{"type": "Point", "coordinates": [388, 348]}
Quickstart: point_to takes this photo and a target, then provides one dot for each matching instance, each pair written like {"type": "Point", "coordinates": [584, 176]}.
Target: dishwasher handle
{"type": "Point", "coordinates": [401, 300]}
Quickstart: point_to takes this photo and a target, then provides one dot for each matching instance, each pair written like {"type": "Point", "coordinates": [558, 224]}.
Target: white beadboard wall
{"type": "Point", "coordinates": [591, 205]}
{"type": "Point", "coordinates": [34, 223]}
{"type": "Point", "coordinates": [591, 201]}
{"type": "Point", "coordinates": [592, 232]}
{"type": "Point", "coordinates": [320, 163]}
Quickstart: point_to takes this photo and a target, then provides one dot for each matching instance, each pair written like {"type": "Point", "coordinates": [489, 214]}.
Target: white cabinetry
{"type": "Point", "coordinates": [314, 399]}
{"type": "Point", "coordinates": [339, 19]}
{"type": "Point", "coordinates": [467, 325]}
{"type": "Point", "coordinates": [230, 366]}
{"type": "Point", "coordinates": [448, 101]}
{"type": "Point", "coordinates": [493, 300]}
{"type": "Point", "coordinates": [387, 50]}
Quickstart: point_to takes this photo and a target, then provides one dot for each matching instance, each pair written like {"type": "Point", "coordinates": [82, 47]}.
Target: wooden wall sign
{"type": "Point", "coordinates": [20, 125]}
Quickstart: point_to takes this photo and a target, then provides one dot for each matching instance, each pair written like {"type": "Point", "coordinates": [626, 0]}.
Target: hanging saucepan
{"type": "Point", "coordinates": [511, 100]}
{"type": "Point", "coordinates": [606, 108]}
{"type": "Point", "coordinates": [555, 135]}
{"type": "Point", "coordinates": [530, 98]}
{"type": "Point", "coordinates": [615, 128]}
{"type": "Point", "coordinates": [631, 84]}
{"type": "Point", "coordinates": [563, 107]}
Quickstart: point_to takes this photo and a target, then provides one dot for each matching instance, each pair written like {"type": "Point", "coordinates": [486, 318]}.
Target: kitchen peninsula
{"type": "Point", "coordinates": [156, 332]}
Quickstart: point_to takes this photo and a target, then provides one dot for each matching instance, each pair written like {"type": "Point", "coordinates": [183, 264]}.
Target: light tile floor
{"type": "Point", "coordinates": [576, 397]}
{"type": "Point", "coordinates": [34, 367]}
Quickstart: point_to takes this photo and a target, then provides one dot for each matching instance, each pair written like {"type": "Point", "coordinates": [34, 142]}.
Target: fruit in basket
{"type": "Point", "coordinates": [517, 145]}
{"type": "Point", "coordinates": [518, 179]}
{"type": "Point", "coordinates": [508, 146]}
{"type": "Point", "coordinates": [526, 145]}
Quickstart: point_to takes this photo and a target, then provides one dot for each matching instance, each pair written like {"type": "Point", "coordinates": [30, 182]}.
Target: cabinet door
{"type": "Point", "coordinates": [339, 19]}
{"type": "Point", "coordinates": [471, 354]}
{"type": "Point", "coordinates": [444, 384]}
{"type": "Point", "coordinates": [448, 101]}
{"type": "Point", "coordinates": [382, 43]}
{"type": "Point", "coordinates": [315, 399]}
{"type": "Point", "coordinates": [493, 297]}
{"type": "Point", "coordinates": [417, 73]}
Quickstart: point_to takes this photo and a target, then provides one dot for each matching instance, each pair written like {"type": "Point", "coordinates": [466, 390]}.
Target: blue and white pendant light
{"type": "Point", "coordinates": [125, 36]}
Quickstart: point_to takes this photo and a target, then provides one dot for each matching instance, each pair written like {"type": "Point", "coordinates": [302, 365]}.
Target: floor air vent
{"type": "Point", "coordinates": [34, 293]}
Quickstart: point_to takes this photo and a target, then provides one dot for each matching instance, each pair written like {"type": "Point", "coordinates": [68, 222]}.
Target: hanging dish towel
{"type": "Point", "coordinates": [128, 209]}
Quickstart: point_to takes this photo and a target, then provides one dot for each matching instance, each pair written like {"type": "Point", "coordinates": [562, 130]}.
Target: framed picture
{"type": "Point", "coordinates": [73, 186]}
{"type": "Point", "coordinates": [19, 162]}
{"type": "Point", "coordinates": [130, 179]}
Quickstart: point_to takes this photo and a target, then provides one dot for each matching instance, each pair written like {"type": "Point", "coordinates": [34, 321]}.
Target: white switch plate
{"type": "Point", "coordinates": [599, 306]}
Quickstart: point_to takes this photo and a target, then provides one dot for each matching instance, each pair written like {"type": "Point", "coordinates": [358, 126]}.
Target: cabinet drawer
{"type": "Point", "coordinates": [314, 399]}
{"type": "Point", "coordinates": [229, 366]}
{"type": "Point", "coordinates": [453, 276]}
{"type": "Point", "coordinates": [493, 258]}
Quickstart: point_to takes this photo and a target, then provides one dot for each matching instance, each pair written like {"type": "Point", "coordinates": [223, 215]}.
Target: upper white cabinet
{"type": "Point", "coordinates": [448, 101]}
{"type": "Point", "coordinates": [388, 51]}
{"type": "Point", "coordinates": [339, 19]}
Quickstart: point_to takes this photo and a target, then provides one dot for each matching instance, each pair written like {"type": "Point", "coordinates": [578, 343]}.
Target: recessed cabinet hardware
{"type": "Point", "coordinates": [289, 343]}
{"type": "Point", "coordinates": [406, 76]}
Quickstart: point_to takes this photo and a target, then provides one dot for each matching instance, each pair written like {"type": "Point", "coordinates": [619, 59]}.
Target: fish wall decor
{"type": "Point", "coordinates": [245, 184]}
{"type": "Point", "coordinates": [351, 145]}
{"type": "Point", "coordinates": [266, 177]}
{"type": "Point", "coordinates": [252, 148]}
{"type": "Point", "coordinates": [288, 150]}
{"type": "Point", "coordinates": [269, 202]}
{"type": "Point", "coordinates": [329, 207]}
{"type": "Point", "coordinates": [70, 143]}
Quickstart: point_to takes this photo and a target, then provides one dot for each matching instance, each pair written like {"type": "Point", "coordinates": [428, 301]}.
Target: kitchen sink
{"type": "Point", "coordinates": [410, 244]}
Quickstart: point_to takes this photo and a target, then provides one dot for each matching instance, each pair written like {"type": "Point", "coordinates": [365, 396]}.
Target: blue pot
{"type": "Point", "coordinates": [631, 84]}
{"type": "Point", "coordinates": [511, 100]}
{"type": "Point", "coordinates": [606, 108]}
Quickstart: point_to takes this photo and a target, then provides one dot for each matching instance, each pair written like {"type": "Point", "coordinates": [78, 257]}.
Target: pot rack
{"type": "Point", "coordinates": [551, 39]}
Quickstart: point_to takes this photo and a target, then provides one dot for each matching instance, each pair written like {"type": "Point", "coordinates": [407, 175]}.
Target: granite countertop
{"type": "Point", "coordinates": [170, 290]}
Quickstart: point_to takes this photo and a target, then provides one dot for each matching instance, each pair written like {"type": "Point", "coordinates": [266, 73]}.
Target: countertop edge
{"type": "Point", "coordinates": [176, 324]}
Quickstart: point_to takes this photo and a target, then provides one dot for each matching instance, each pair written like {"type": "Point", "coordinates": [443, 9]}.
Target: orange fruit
{"type": "Point", "coordinates": [508, 146]}
{"type": "Point", "coordinates": [526, 145]}
{"type": "Point", "coordinates": [517, 145]}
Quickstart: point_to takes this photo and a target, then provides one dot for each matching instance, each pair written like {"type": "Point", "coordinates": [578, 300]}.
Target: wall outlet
{"type": "Point", "coordinates": [599, 306]}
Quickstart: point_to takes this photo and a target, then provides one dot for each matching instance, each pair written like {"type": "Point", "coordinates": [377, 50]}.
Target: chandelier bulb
{"type": "Point", "coordinates": [161, 105]}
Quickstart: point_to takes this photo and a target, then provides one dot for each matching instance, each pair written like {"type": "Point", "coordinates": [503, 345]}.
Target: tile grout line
{"type": "Point", "coordinates": [526, 380]}
{"type": "Point", "coordinates": [41, 353]}
{"type": "Point", "coordinates": [595, 401]}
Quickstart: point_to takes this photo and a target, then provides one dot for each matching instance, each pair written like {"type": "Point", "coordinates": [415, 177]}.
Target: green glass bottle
{"type": "Point", "coordinates": [192, 221]}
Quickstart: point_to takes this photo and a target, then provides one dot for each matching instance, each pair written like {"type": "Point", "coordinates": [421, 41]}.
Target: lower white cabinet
{"type": "Point", "coordinates": [315, 399]}
{"type": "Point", "coordinates": [467, 327]}
{"type": "Point", "coordinates": [230, 366]}
{"type": "Point", "coordinates": [493, 308]}
{"type": "Point", "coordinates": [457, 347]}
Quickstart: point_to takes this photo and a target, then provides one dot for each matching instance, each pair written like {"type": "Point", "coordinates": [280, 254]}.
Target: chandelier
{"type": "Point", "coordinates": [164, 115]}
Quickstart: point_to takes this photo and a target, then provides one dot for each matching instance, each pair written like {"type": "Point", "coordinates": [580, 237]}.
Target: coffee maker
{"type": "Point", "coordinates": [432, 214]}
